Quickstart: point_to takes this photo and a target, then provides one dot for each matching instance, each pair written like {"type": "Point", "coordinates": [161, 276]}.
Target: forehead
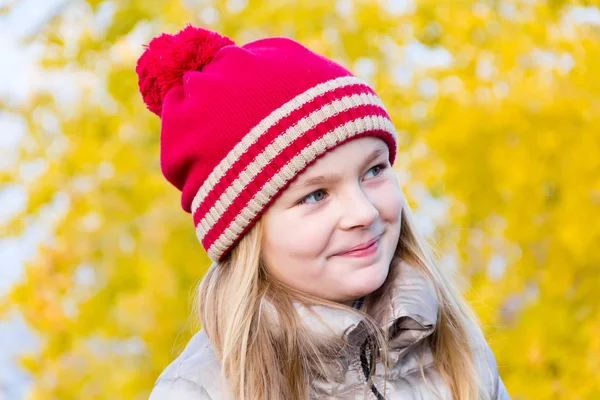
{"type": "Point", "coordinates": [354, 152]}
{"type": "Point", "coordinates": [345, 158]}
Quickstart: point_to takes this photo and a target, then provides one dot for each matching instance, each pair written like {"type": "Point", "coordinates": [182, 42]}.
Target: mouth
{"type": "Point", "coordinates": [362, 250]}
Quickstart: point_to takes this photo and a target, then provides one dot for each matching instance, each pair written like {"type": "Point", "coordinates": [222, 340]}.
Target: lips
{"type": "Point", "coordinates": [362, 246]}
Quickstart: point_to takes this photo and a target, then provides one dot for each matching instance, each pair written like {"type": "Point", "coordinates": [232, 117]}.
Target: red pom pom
{"type": "Point", "coordinates": [168, 57]}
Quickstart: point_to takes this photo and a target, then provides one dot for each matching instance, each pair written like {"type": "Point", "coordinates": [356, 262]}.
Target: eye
{"type": "Point", "coordinates": [376, 170]}
{"type": "Point", "coordinates": [314, 197]}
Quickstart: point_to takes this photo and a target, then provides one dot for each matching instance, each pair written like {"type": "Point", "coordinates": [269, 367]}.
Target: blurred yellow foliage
{"type": "Point", "coordinates": [497, 104]}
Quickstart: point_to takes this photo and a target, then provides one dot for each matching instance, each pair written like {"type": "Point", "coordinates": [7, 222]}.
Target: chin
{"type": "Point", "coordinates": [368, 280]}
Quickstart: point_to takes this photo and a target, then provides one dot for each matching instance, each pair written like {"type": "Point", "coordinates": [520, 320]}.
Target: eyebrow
{"type": "Point", "coordinates": [330, 179]}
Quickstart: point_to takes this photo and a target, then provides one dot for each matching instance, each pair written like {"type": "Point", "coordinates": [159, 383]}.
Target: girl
{"type": "Point", "coordinates": [321, 287]}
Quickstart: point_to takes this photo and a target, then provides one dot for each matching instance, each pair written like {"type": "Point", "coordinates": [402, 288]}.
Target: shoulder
{"type": "Point", "coordinates": [195, 374]}
{"type": "Point", "coordinates": [486, 366]}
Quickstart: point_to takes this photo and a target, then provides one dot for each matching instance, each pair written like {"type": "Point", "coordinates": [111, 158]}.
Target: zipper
{"type": "Point", "coordinates": [366, 367]}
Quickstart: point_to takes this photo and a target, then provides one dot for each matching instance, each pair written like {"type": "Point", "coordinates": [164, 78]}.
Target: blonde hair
{"type": "Point", "coordinates": [265, 350]}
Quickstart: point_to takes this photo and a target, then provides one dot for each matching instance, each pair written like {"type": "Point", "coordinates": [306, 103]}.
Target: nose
{"type": "Point", "coordinates": [358, 211]}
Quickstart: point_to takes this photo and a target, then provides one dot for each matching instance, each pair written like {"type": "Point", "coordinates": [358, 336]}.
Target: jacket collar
{"type": "Point", "coordinates": [412, 308]}
{"type": "Point", "coordinates": [408, 314]}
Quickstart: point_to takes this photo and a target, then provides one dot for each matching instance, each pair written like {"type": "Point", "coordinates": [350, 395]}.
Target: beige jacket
{"type": "Point", "coordinates": [412, 308]}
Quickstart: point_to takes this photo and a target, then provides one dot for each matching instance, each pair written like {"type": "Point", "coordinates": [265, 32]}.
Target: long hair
{"type": "Point", "coordinates": [265, 350]}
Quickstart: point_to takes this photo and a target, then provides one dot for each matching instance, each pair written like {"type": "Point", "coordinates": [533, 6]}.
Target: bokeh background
{"type": "Point", "coordinates": [497, 105]}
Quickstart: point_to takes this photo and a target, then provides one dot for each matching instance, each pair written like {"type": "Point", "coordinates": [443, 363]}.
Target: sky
{"type": "Point", "coordinates": [18, 76]}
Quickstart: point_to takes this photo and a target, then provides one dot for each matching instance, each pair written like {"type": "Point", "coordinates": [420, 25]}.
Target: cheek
{"type": "Point", "coordinates": [305, 237]}
{"type": "Point", "coordinates": [294, 241]}
{"type": "Point", "coordinates": [389, 201]}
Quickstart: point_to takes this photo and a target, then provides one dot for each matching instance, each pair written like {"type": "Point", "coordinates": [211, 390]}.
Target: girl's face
{"type": "Point", "coordinates": [333, 232]}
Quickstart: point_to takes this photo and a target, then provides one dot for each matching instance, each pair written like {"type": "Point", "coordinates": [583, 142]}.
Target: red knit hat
{"type": "Point", "coordinates": [239, 123]}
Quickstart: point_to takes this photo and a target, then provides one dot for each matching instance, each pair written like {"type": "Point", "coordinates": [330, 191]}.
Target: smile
{"type": "Point", "coordinates": [369, 249]}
